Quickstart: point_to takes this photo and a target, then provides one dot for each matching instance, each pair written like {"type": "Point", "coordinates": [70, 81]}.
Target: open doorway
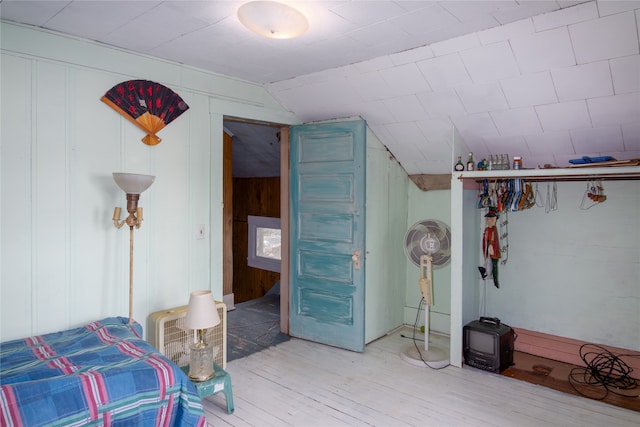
{"type": "Point", "coordinates": [255, 200]}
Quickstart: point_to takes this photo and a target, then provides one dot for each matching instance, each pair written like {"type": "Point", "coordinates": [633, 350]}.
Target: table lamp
{"type": "Point", "coordinates": [201, 315]}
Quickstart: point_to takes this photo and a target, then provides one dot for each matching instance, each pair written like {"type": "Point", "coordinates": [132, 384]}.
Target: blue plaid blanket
{"type": "Point", "coordinates": [101, 374]}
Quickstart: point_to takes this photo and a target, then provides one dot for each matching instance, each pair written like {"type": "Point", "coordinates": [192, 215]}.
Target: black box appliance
{"type": "Point", "coordinates": [488, 344]}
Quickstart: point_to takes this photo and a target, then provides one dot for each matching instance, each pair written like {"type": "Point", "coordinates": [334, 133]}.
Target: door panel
{"type": "Point", "coordinates": [327, 233]}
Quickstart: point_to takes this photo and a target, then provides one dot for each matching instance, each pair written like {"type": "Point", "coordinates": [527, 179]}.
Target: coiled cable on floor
{"type": "Point", "coordinates": [603, 373]}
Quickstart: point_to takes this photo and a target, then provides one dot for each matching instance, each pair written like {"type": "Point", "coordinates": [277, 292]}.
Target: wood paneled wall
{"type": "Point", "coordinates": [259, 197]}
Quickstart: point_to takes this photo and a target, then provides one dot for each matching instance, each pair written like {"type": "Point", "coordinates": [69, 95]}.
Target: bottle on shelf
{"type": "Point", "coordinates": [459, 166]}
{"type": "Point", "coordinates": [470, 164]}
{"type": "Point", "coordinates": [517, 162]}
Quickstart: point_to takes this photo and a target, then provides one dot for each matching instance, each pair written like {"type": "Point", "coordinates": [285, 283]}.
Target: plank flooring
{"type": "Point", "coordinates": [299, 383]}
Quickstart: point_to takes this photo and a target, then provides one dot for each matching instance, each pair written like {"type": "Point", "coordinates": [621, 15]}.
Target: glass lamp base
{"type": "Point", "coordinates": [201, 362]}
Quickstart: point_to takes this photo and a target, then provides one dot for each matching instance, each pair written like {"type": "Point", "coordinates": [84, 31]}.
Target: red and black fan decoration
{"type": "Point", "coordinates": [148, 105]}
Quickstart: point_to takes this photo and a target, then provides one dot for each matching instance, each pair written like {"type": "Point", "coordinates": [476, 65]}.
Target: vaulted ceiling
{"type": "Point", "coordinates": [547, 80]}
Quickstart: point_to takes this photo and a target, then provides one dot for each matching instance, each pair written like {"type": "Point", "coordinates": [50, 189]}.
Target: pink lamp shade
{"type": "Point", "coordinates": [202, 312]}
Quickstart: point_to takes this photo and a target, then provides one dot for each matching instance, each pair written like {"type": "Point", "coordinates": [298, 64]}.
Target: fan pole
{"type": "Point", "coordinates": [426, 286]}
{"type": "Point", "coordinates": [435, 358]}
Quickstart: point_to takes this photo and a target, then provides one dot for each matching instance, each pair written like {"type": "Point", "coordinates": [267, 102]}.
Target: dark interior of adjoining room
{"type": "Point", "coordinates": [253, 323]}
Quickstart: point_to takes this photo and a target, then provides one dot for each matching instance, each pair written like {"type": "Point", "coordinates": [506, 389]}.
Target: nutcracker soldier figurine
{"type": "Point", "coordinates": [491, 247]}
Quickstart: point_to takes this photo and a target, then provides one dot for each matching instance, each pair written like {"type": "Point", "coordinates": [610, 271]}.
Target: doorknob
{"type": "Point", "coordinates": [356, 259]}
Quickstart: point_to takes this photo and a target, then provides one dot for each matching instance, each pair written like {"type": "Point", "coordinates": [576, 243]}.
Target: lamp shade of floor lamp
{"type": "Point", "coordinates": [133, 185]}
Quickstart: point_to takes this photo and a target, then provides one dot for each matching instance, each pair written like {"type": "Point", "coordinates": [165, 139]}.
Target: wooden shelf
{"type": "Point", "coordinates": [565, 174]}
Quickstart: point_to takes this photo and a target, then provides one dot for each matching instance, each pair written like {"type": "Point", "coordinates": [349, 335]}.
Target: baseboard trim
{"type": "Point", "coordinates": [229, 301]}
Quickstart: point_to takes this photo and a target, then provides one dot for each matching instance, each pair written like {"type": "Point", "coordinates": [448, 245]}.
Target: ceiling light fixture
{"type": "Point", "coordinates": [272, 19]}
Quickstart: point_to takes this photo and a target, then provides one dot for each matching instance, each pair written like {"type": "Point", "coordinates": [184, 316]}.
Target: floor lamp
{"type": "Point", "coordinates": [133, 184]}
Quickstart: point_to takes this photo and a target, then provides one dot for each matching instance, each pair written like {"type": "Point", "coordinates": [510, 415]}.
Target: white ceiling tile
{"type": "Point", "coordinates": [490, 63]}
{"type": "Point", "coordinates": [324, 95]}
{"type": "Point", "coordinates": [600, 140]}
{"type": "Point", "coordinates": [475, 124]}
{"type": "Point", "coordinates": [583, 81]}
{"type": "Point", "coordinates": [626, 74]}
{"type": "Point", "coordinates": [563, 116]}
{"type": "Point", "coordinates": [570, 3]}
{"type": "Point", "coordinates": [508, 31]}
{"type": "Point", "coordinates": [538, 161]}
{"type": "Point", "coordinates": [511, 145]}
{"type": "Point", "coordinates": [434, 152]}
{"type": "Point", "coordinates": [405, 79]}
{"type": "Point", "coordinates": [324, 23]}
{"type": "Point", "coordinates": [529, 89]}
{"type": "Point", "coordinates": [415, 167]}
{"type": "Point", "coordinates": [172, 17]}
{"type": "Point", "coordinates": [549, 143]}
{"type": "Point", "coordinates": [371, 86]}
{"type": "Point", "coordinates": [437, 131]}
{"type": "Point", "coordinates": [104, 18]}
{"type": "Point", "coordinates": [430, 20]}
{"type": "Point", "coordinates": [514, 11]}
{"type": "Point", "coordinates": [405, 108]}
{"type": "Point", "coordinates": [611, 7]}
{"type": "Point", "coordinates": [380, 11]}
{"type": "Point", "coordinates": [455, 44]}
{"type": "Point", "coordinates": [34, 12]}
{"type": "Point", "coordinates": [376, 112]}
{"type": "Point", "coordinates": [380, 131]}
{"type": "Point", "coordinates": [379, 63]}
{"type": "Point", "coordinates": [479, 23]}
{"type": "Point", "coordinates": [435, 149]}
{"type": "Point", "coordinates": [412, 55]}
{"type": "Point", "coordinates": [382, 33]}
{"type": "Point", "coordinates": [631, 136]}
{"type": "Point", "coordinates": [469, 10]}
{"type": "Point", "coordinates": [478, 147]}
{"type": "Point", "coordinates": [542, 51]}
{"type": "Point", "coordinates": [517, 121]}
{"type": "Point", "coordinates": [348, 71]}
{"type": "Point", "coordinates": [482, 97]}
{"type": "Point", "coordinates": [562, 17]}
{"type": "Point", "coordinates": [627, 155]}
{"type": "Point", "coordinates": [444, 103]}
{"type": "Point", "coordinates": [605, 38]}
{"type": "Point", "coordinates": [444, 72]}
{"type": "Point", "coordinates": [618, 109]}
{"type": "Point", "coordinates": [407, 135]}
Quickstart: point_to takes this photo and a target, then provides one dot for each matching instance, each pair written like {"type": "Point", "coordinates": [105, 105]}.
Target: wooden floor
{"type": "Point", "coordinates": [299, 383]}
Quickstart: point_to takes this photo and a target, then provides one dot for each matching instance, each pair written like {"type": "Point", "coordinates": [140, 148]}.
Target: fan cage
{"type": "Point", "coordinates": [166, 333]}
{"type": "Point", "coordinates": [420, 230]}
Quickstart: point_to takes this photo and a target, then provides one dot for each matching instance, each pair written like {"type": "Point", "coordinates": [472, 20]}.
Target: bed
{"type": "Point", "coordinates": [103, 373]}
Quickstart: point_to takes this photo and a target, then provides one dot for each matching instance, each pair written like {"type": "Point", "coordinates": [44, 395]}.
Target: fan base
{"type": "Point", "coordinates": [435, 357]}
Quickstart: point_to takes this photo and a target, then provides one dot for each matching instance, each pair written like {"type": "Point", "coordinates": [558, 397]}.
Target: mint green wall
{"type": "Point", "coordinates": [574, 272]}
{"type": "Point", "coordinates": [433, 204]}
{"type": "Point", "coordinates": [63, 262]}
{"type": "Point", "coordinates": [385, 273]}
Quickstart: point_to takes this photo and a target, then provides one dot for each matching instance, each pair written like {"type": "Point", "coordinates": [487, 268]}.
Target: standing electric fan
{"type": "Point", "coordinates": [427, 244]}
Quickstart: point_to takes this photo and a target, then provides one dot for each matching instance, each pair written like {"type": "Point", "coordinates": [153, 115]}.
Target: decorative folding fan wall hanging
{"type": "Point", "coordinates": [148, 105]}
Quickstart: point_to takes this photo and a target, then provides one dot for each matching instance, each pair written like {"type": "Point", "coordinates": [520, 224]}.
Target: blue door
{"type": "Point", "coordinates": [327, 233]}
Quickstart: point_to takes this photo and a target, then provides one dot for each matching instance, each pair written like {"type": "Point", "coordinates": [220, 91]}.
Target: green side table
{"type": "Point", "coordinates": [221, 382]}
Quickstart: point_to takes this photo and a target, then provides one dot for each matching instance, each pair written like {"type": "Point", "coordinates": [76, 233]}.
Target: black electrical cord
{"type": "Point", "coordinates": [426, 337]}
{"type": "Point", "coordinates": [603, 373]}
